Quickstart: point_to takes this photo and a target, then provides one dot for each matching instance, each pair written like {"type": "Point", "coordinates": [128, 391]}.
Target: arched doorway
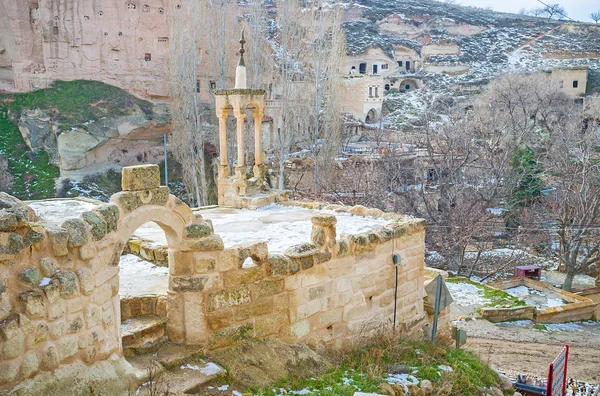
{"type": "Point", "coordinates": [371, 116]}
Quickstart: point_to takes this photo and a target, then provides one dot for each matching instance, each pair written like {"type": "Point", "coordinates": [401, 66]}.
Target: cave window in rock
{"type": "Point", "coordinates": [85, 17]}
{"type": "Point", "coordinates": [384, 66]}
{"type": "Point", "coordinates": [197, 86]}
{"type": "Point", "coordinates": [376, 92]}
{"type": "Point", "coordinates": [148, 57]}
{"type": "Point", "coordinates": [407, 87]}
{"type": "Point", "coordinates": [370, 92]}
{"type": "Point", "coordinates": [146, 8]}
{"type": "Point", "coordinates": [362, 68]}
{"type": "Point", "coordinates": [387, 87]}
{"type": "Point", "coordinates": [213, 84]}
{"type": "Point", "coordinates": [115, 55]}
{"type": "Point", "coordinates": [100, 13]}
{"type": "Point", "coordinates": [120, 33]}
{"type": "Point", "coordinates": [353, 70]}
{"type": "Point", "coordinates": [55, 30]}
{"type": "Point", "coordinates": [400, 63]}
{"type": "Point", "coordinates": [161, 10]}
{"type": "Point", "coordinates": [375, 69]}
{"type": "Point", "coordinates": [131, 6]}
{"type": "Point", "coordinates": [407, 65]}
{"type": "Point", "coordinates": [575, 84]}
{"type": "Point", "coordinates": [178, 6]}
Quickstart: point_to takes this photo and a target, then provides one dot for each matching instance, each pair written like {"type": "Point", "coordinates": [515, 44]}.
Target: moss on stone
{"type": "Point", "coordinates": [110, 214]}
{"type": "Point", "coordinates": [98, 225]}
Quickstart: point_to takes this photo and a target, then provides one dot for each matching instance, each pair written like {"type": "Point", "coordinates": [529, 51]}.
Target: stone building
{"type": "Point", "coordinates": [572, 80]}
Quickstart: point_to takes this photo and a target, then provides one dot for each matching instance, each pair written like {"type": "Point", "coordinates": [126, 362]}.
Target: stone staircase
{"type": "Point", "coordinates": [161, 367]}
{"type": "Point", "coordinates": [142, 334]}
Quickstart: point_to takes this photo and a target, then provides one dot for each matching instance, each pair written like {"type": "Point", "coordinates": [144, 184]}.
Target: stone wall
{"type": "Point", "coordinates": [577, 307]}
{"type": "Point", "coordinates": [59, 301]}
{"type": "Point", "coordinates": [505, 314]}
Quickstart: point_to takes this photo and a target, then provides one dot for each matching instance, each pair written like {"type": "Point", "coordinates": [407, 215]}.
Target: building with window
{"type": "Point", "coordinates": [572, 80]}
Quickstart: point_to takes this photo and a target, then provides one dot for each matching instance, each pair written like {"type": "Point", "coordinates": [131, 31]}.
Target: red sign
{"type": "Point", "coordinates": [557, 374]}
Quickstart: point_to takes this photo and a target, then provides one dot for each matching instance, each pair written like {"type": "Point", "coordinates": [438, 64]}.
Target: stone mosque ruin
{"type": "Point", "coordinates": [75, 310]}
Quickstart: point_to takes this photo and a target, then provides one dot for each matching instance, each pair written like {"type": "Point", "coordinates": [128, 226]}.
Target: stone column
{"type": "Point", "coordinates": [258, 138]}
{"type": "Point", "coordinates": [223, 137]}
{"type": "Point", "coordinates": [240, 139]}
{"type": "Point", "coordinates": [258, 167]}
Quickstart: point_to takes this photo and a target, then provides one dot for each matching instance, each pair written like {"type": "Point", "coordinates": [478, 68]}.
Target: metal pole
{"type": "Point", "coordinates": [166, 162]}
{"type": "Point", "coordinates": [436, 308]}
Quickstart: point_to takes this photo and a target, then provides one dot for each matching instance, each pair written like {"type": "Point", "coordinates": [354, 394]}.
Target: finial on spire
{"type": "Point", "coordinates": [242, 50]}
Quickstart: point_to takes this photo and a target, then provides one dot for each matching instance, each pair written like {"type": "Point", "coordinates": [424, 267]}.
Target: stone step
{"type": "Point", "coordinates": [142, 334]}
{"type": "Point", "coordinates": [177, 369]}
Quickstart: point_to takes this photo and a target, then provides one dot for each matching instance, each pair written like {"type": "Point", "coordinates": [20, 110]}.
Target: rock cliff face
{"type": "Point", "coordinates": [111, 140]}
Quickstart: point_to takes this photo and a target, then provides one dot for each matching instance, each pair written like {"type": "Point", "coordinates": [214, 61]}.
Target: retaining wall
{"type": "Point", "coordinates": [578, 307]}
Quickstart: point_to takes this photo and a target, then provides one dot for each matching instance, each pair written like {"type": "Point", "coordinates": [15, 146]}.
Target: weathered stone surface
{"type": "Point", "coordinates": [14, 347]}
{"type": "Point", "coordinates": [68, 347]}
{"type": "Point", "coordinates": [272, 324]}
{"type": "Point", "coordinates": [187, 283]}
{"type": "Point", "coordinates": [318, 236]}
{"type": "Point", "coordinates": [128, 201]}
{"type": "Point", "coordinates": [426, 387]}
{"type": "Point", "coordinates": [30, 364]}
{"type": "Point", "coordinates": [77, 232]}
{"type": "Point", "coordinates": [324, 220]}
{"type": "Point", "coordinates": [33, 235]}
{"type": "Point", "coordinates": [282, 265]}
{"type": "Point", "coordinates": [51, 290]}
{"type": "Point", "coordinates": [9, 370]}
{"type": "Point", "coordinates": [110, 214]}
{"type": "Point", "coordinates": [10, 327]}
{"type": "Point", "coordinates": [343, 248]}
{"type": "Point", "coordinates": [68, 283]}
{"type": "Point", "coordinates": [207, 244]}
{"type": "Point", "coordinates": [59, 239]}
{"type": "Point", "coordinates": [242, 276]}
{"type": "Point", "coordinates": [266, 288]}
{"type": "Point", "coordinates": [75, 324]}
{"type": "Point", "coordinates": [228, 298]}
{"type": "Point", "coordinates": [204, 265]}
{"type": "Point", "coordinates": [141, 177]}
{"type": "Point", "coordinates": [86, 280]}
{"type": "Point", "coordinates": [301, 251]}
{"type": "Point", "coordinates": [42, 333]}
{"type": "Point", "coordinates": [16, 207]}
{"type": "Point", "coordinates": [48, 265]}
{"type": "Point", "coordinates": [98, 225]}
{"type": "Point", "coordinates": [11, 243]}
{"type": "Point", "coordinates": [33, 303]}
{"type": "Point", "coordinates": [9, 221]}
{"type": "Point", "coordinates": [322, 257]}
{"type": "Point", "coordinates": [198, 230]}
{"type": "Point", "coordinates": [258, 252]}
{"type": "Point", "coordinates": [231, 336]}
{"type": "Point", "coordinates": [244, 312]}
{"type": "Point", "coordinates": [358, 210]}
{"type": "Point", "coordinates": [30, 276]}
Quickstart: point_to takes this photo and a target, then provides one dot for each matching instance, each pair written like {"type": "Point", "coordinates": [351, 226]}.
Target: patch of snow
{"type": "Point", "coordinates": [211, 369]}
{"type": "Point", "coordinates": [139, 277]}
{"type": "Point", "coordinates": [403, 380]}
{"type": "Point", "coordinates": [520, 323]}
{"type": "Point", "coordinates": [57, 211]}
{"type": "Point", "coordinates": [445, 368]}
{"type": "Point", "coordinates": [466, 294]}
{"type": "Point", "coordinates": [45, 282]}
{"type": "Point", "coordinates": [280, 226]}
{"type": "Point", "coordinates": [536, 298]}
{"type": "Point", "coordinates": [223, 387]}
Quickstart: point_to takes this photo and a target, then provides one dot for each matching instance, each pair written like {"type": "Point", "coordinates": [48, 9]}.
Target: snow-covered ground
{"type": "Point", "coordinates": [280, 226]}
{"type": "Point", "coordinates": [540, 300]}
{"type": "Point", "coordinates": [141, 278]}
{"type": "Point", "coordinates": [56, 211]}
{"type": "Point", "coordinates": [466, 294]}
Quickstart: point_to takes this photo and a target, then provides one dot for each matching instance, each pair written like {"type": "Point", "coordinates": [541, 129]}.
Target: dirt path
{"type": "Point", "coordinates": [521, 347]}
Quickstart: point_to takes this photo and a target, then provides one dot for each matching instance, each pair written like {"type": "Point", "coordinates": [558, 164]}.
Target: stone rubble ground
{"type": "Point", "coordinates": [536, 298]}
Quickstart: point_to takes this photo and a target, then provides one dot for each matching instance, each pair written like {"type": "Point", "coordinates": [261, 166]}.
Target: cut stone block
{"type": "Point", "coordinates": [141, 177]}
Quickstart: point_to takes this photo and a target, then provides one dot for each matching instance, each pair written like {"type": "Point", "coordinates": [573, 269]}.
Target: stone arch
{"type": "Point", "coordinates": [371, 116]}
{"type": "Point", "coordinates": [189, 237]}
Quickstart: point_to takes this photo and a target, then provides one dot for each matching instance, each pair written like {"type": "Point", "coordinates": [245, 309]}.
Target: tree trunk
{"type": "Point", "coordinates": [568, 284]}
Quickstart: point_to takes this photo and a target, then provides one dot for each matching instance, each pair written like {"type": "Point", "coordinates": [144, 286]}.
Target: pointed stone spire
{"type": "Point", "coordinates": [240, 71]}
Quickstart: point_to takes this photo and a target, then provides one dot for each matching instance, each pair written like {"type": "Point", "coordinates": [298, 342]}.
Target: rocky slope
{"type": "Point", "coordinates": [74, 129]}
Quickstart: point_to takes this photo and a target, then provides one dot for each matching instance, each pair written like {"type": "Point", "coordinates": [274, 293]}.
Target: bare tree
{"type": "Point", "coordinates": [188, 129]}
{"type": "Point", "coordinates": [551, 11]}
{"type": "Point", "coordinates": [572, 166]}
{"type": "Point", "coordinates": [595, 16]}
{"type": "Point", "coordinates": [326, 54]}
